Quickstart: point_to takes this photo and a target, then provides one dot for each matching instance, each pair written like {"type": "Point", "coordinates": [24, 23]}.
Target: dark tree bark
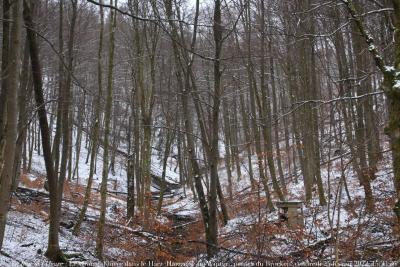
{"type": "Point", "coordinates": [65, 105]}
{"type": "Point", "coordinates": [4, 65]}
{"type": "Point", "coordinates": [6, 172]}
{"type": "Point", "coordinates": [53, 250]}
{"type": "Point", "coordinates": [185, 63]}
{"type": "Point", "coordinates": [107, 119]}
{"type": "Point", "coordinates": [96, 126]}
{"type": "Point", "coordinates": [25, 90]}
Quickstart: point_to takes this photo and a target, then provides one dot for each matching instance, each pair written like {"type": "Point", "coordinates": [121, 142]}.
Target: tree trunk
{"type": "Point", "coordinates": [61, 94]}
{"type": "Point", "coordinates": [78, 144]}
{"type": "Point", "coordinates": [66, 136]}
{"type": "Point", "coordinates": [168, 143]}
{"type": "Point", "coordinates": [23, 94]}
{"type": "Point", "coordinates": [393, 95]}
{"type": "Point", "coordinates": [265, 111]}
{"type": "Point", "coordinates": [95, 131]}
{"type": "Point", "coordinates": [107, 118]}
{"type": "Point", "coordinates": [6, 173]}
{"type": "Point", "coordinates": [4, 73]}
{"type": "Point", "coordinates": [276, 125]}
{"type": "Point", "coordinates": [254, 125]}
{"type": "Point", "coordinates": [130, 173]}
{"type": "Point", "coordinates": [248, 142]}
{"type": "Point", "coordinates": [184, 90]}
{"type": "Point", "coordinates": [53, 250]}
{"type": "Point", "coordinates": [227, 138]}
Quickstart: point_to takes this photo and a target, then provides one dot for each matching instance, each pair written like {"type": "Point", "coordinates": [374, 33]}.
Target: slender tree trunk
{"type": "Point", "coordinates": [130, 201]}
{"type": "Point", "coordinates": [96, 126]}
{"type": "Point", "coordinates": [256, 132]}
{"type": "Point", "coordinates": [248, 142]}
{"type": "Point", "coordinates": [6, 173]}
{"type": "Point", "coordinates": [227, 138]}
{"type": "Point", "coordinates": [275, 125]}
{"type": "Point", "coordinates": [204, 208]}
{"type": "Point", "coordinates": [107, 118]}
{"type": "Point", "coordinates": [213, 151]}
{"type": "Point", "coordinates": [315, 126]}
{"type": "Point", "coordinates": [168, 143]}
{"type": "Point", "coordinates": [265, 111]}
{"type": "Point", "coordinates": [393, 94]}
{"type": "Point", "coordinates": [23, 95]}
{"type": "Point", "coordinates": [78, 144]}
{"type": "Point", "coordinates": [61, 94]}
{"type": "Point", "coordinates": [234, 141]}
{"type": "Point", "coordinates": [4, 73]}
{"type": "Point", "coordinates": [66, 131]}
{"type": "Point", "coordinates": [53, 250]}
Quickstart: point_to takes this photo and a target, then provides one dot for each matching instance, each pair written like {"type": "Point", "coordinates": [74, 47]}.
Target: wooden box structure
{"type": "Point", "coordinates": [291, 212]}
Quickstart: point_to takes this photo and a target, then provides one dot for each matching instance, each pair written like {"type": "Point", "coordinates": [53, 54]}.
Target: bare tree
{"type": "Point", "coordinates": [107, 120]}
{"type": "Point", "coordinates": [95, 135]}
{"type": "Point", "coordinates": [53, 250]}
{"type": "Point", "coordinates": [13, 68]}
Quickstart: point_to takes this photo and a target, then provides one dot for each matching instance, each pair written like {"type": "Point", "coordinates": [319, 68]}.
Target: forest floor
{"type": "Point", "coordinates": [341, 230]}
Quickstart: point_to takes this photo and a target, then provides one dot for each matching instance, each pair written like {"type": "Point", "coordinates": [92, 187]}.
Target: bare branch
{"type": "Point", "coordinates": [368, 37]}
{"type": "Point", "coordinates": [152, 20]}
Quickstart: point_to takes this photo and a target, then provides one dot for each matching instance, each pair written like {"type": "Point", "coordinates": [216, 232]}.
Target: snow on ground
{"type": "Point", "coordinates": [184, 207]}
{"type": "Point", "coordinates": [26, 242]}
{"type": "Point", "coordinates": [26, 234]}
{"type": "Point", "coordinates": [116, 181]}
{"type": "Point", "coordinates": [321, 223]}
{"type": "Point", "coordinates": [170, 176]}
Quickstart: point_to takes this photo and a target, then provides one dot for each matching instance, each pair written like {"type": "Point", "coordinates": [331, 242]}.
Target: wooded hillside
{"type": "Point", "coordinates": [191, 132]}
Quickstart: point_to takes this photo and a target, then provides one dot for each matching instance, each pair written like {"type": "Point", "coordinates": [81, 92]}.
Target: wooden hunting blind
{"type": "Point", "coordinates": [291, 212]}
